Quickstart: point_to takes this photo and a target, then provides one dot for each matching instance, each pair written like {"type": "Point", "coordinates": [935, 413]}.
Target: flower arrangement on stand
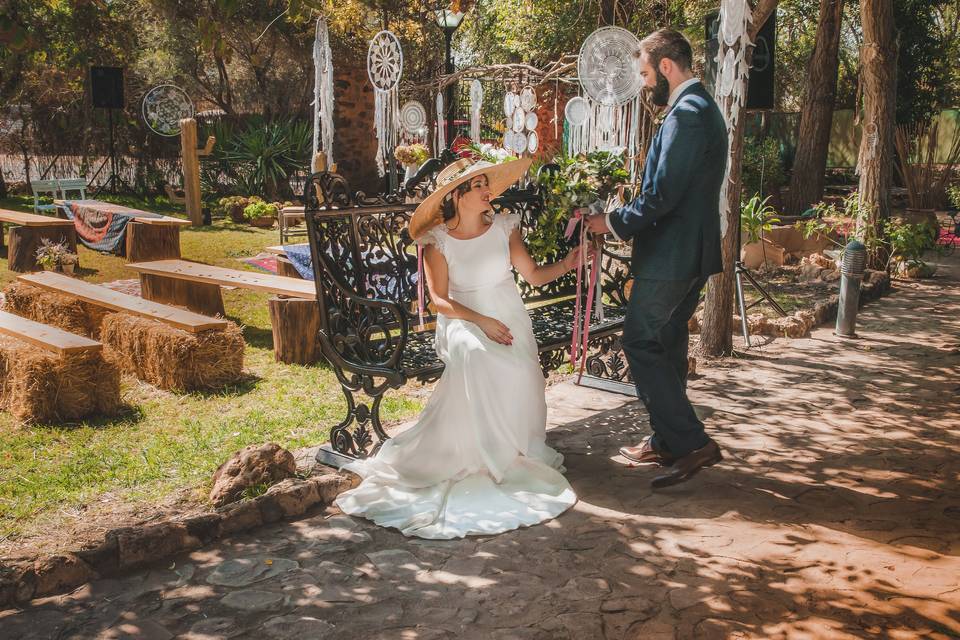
{"type": "Point", "coordinates": [56, 256]}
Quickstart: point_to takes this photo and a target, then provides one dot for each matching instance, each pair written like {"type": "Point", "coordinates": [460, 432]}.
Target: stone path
{"type": "Point", "coordinates": [835, 515]}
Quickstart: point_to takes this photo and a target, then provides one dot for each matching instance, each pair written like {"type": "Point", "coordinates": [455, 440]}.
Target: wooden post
{"type": "Point", "coordinates": [191, 167]}
{"type": "Point", "coordinates": [199, 297]}
{"type": "Point", "coordinates": [285, 268]}
{"type": "Point", "coordinates": [296, 325]}
{"type": "Point", "coordinates": [146, 242]}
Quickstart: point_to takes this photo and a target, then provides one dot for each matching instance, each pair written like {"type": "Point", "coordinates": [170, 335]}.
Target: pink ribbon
{"type": "Point", "coordinates": [581, 330]}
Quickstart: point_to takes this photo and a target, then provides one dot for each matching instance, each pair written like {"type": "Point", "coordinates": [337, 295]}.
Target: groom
{"type": "Point", "coordinates": [675, 227]}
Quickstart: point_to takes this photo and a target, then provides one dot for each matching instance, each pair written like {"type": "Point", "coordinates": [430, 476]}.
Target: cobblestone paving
{"type": "Point", "coordinates": [834, 515]}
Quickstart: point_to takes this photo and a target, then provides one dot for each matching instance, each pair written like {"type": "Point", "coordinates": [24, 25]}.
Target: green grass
{"type": "Point", "coordinates": [166, 442]}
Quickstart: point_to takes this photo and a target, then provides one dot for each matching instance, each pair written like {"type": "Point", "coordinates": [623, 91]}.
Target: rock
{"type": "Point", "coordinates": [57, 574]}
{"type": "Point", "coordinates": [253, 600]}
{"type": "Point", "coordinates": [691, 366]}
{"type": "Point", "coordinates": [136, 630]}
{"type": "Point", "coordinates": [809, 272]}
{"type": "Point", "coordinates": [693, 324]}
{"type": "Point", "coordinates": [249, 467]}
{"type": "Point", "coordinates": [242, 572]}
{"type": "Point", "coordinates": [142, 545]}
{"type": "Point", "coordinates": [294, 497]}
{"type": "Point", "coordinates": [240, 516]}
{"type": "Point", "coordinates": [296, 627]}
{"type": "Point", "coordinates": [819, 260]}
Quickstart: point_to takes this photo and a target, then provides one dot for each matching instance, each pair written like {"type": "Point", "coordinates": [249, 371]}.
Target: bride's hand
{"type": "Point", "coordinates": [495, 330]}
{"type": "Point", "coordinates": [571, 259]}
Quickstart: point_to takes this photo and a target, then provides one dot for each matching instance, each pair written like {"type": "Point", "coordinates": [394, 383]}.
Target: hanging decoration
{"type": "Point", "coordinates": [413, 119]}
{"type": "Point", "coordinates": [384, 68]}
{"type": "Point", "coordinates": [732, 74]}
{"type": "Point", "coordinates": [608, 118]}
{"type": "Point", "coordinates": [322, 96]}
{"type": "Point", "coordinates": [520, 134]}
{"type": "Point", "coordinates": [164, 106]}
{"type": "Point", "coordinates": [476, 103]}
{"type": "Point", "coordinates": [441, 129]}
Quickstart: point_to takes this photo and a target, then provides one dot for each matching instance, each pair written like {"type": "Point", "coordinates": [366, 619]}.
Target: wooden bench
{"type": "Point", "coordinates": [46, 337]}
{"type": "Point", "coordinates": [196, 286]}
{"type": "Point", "coordinates": [168, 347]}
{"type": "Point", "coordinates": [119, 301]}
{"type": "Point", "coordinates": [149, 237]}
{"type": "Point", "coordinates": [367, 284]}
{"type": "Point", "coordinates": [285, 268]}
{"type": "Point", "coordinates": [28, 234]}
{"type": "Point", "coordinates": [50, 374]}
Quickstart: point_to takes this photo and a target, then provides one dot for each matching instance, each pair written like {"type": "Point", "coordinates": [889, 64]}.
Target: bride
{"type": "Point", "coordinates": [477, 462]}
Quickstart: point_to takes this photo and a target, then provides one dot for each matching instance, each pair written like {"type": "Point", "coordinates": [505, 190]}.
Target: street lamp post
{"type": "Point", "coordinates": [449, 20]}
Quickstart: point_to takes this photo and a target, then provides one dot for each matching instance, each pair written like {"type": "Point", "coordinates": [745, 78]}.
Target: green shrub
{"type": "Point", "coordinates": [762, 166]}
{"type": "Point", "coordinates": [259, 209]}
{"type": "Point", "coordinates": [756, 216]}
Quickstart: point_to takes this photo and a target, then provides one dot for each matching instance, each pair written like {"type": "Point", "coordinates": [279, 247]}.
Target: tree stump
{"type": "Point", "coordinates": [22, 252]}
{"type": "Point", "coordinates": [199, 297]}
{"type": "Point", "coordinates": [285, 268]}
{"type": "Point", "coordinates": [146, 242]}
{"type": "Point", "coordinates": [296, 325]}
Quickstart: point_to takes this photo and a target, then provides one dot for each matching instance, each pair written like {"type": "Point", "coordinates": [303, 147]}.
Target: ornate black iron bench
{"type": "Point", "coordinates": [365, 270]}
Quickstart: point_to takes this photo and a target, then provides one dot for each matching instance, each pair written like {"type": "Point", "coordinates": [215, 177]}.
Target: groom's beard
{"type": "Point", "coordinates": [660, 93]}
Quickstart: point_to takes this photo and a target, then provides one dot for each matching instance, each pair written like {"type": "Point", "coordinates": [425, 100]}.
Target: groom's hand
{"type": "Point", "coordinates": [598, 224]}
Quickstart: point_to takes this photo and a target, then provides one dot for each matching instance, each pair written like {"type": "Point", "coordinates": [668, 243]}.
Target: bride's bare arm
{"type": "Point", "coordinates": [435, 268]}
{"type": "Point", "coordinates": [535, 274]}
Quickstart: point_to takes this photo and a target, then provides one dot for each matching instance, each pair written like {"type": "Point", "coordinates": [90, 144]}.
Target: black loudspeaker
{"type": "Point", "coordinates": [106, 87]}
{"type": "Point", "coordinates": [760, 90]}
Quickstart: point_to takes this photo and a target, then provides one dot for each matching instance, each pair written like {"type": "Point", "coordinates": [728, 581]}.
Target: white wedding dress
{"type": "Point", "coordinates": [477, 462]}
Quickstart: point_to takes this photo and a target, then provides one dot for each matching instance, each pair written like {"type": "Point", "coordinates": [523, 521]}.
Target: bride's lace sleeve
{"type": "Point", "coordinates": [509, 222]}
{"type": "Point", "coordinates": [435, 237]}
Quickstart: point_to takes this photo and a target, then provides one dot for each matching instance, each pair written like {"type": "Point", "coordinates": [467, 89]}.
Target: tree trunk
{"type": "Point", "coordinates": [806, 183]}
{"type": "Point", "coordinates": [716, 337]}
{"type": "Point", "coordinates": [878, 60]}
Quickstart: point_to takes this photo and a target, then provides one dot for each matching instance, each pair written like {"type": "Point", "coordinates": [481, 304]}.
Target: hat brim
{"type": "Point", "coordinates": [499, 176]}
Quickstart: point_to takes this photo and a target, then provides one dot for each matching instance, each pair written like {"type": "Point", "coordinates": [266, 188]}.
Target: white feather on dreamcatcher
{"type": "Point", "coordinates": [384, 68]}
{"type": "Point", "coordinates": [476, 103]}
{"type": "Point", "coordinates": [322, 95]}
{"type": "Point", "coordinates": [732, 74]}
{"type": "Point", "coordinates": [441, 129]}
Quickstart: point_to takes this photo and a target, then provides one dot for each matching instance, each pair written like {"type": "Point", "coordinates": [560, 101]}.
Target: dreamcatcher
{"type": "Point", "coordinates": [163, 108]}
{"type": "Point", "coordinates": [413, 120]}
{"type": "Point", "coordinates": [384, 67]}
{"type": "Point", "coordinates": [322, 95]}
{"type": "Point", "coordinates": [520, 133]}
{"type": "Point", "coordinates": [476, 103]}
{"type": "Point", "coordinates": [608, 117]}
{"type": "Point", "coordinates": [732, 74]}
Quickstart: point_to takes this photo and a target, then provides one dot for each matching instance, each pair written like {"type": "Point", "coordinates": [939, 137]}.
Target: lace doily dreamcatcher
{"type": "Point", "coordinates": [384, 68]}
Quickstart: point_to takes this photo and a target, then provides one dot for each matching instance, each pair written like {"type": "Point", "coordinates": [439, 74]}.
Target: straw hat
{"type": "Point", "coordinates": [500, 176]}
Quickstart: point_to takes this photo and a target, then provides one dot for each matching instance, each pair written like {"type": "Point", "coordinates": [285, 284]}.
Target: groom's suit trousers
{"type": "Point", "coordinates": [655, 342]}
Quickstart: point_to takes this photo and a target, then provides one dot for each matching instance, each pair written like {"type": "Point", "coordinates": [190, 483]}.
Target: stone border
{"type": "Point", "coordinates": [134, 547]}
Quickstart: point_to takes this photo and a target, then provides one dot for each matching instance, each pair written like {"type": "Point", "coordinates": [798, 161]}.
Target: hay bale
{"type": "Point", "coordinates": [40, 386]}
{"type": "Point", "coordinates": [171, 358]}
{"type": "Point", "coordinates": [55, 309]}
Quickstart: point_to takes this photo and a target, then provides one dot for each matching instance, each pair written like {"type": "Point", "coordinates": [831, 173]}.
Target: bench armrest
{"type": "Point", "coordinates": [356, 334]}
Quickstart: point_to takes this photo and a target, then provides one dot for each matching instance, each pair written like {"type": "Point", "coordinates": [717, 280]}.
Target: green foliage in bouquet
{"type": "Point", "coordinates": [578, 182]}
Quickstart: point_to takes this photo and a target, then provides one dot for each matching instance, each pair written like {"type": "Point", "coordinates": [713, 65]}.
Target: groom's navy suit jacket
{"type": "Point", "coordinates": [675, 221]}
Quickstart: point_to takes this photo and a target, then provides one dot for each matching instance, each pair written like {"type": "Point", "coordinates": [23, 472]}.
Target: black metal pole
{"type": "Point", "coordinates": [113, 156]}
{"type": "Point", "coordinates": [449, 109]}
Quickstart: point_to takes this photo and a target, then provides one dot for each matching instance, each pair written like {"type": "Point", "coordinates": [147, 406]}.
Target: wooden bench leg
{"type": "Point", "coordinates": [199, 297]}
{"type": "Point", "coordinates": [296, 324]}
{"type": "Point", "coordinates": [146, 242]}
{"type": "Point", "coordinates": [22, 252]}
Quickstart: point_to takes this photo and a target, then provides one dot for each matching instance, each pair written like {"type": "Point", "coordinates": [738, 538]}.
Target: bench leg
{"type": "Point", "coordinates": [348, 444]}
{"type": "Point", "coordinates": [22, 252]}
{"type": "Point", "coordinates": [146, 242]}
{"type": "Point", "coordinates": [296, 326]}
{"type": "Point", "coordinates": [199, 297]}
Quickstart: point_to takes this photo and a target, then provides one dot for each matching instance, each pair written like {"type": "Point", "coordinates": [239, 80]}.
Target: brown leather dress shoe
{"type": "Point", "coordinates": [646, 454]}
{"type": "Point", "coordinates": [687, 466]}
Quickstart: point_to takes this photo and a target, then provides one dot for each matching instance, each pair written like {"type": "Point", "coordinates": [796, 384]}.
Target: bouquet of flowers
{"type": "Point", "coordinates": [414, 154]}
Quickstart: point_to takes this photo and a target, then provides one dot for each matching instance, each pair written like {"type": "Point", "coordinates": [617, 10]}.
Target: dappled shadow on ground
{"type": "Point", "coordinates": [834, 515]}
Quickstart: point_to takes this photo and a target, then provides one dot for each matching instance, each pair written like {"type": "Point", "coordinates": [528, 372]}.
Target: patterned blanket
{"type": "Point", "coordinates": [102, 226]}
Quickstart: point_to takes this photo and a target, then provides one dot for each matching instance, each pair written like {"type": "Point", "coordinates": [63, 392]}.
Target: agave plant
{"type": "Point", "coordinates": [757, 216]}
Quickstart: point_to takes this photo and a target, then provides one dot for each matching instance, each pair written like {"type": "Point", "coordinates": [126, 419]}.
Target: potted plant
{"type": "Point", "coordinates": [260, 214]}
{"type": "Point", "coordinates": [56, 256]}
{"type": "Point", "coordinates": [756, 217]}
{"type": "Point", "coordinates": [233, 206]}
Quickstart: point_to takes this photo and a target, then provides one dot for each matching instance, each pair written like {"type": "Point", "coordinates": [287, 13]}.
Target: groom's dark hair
{"type": "Point", "coordinates": [667, 43]}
